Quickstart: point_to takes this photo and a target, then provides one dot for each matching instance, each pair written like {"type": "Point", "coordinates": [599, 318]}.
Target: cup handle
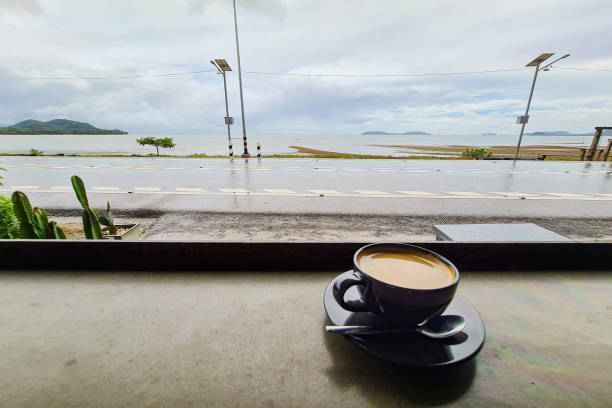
{"type": "Point", "coordinates": [342, 285]}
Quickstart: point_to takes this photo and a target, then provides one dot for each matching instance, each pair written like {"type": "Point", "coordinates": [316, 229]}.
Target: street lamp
{"type": "Point", "coordinates": [222, 67]}
{"type": "Point", "coordinates": [244, 140]}
{"type": "Point", "coordinates": [535, 63]}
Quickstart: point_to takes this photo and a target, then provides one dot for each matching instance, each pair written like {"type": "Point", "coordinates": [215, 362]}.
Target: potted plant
{"type": "Point", "coordinates": [117, 231]}
{"type": "Point", "coordinates": [92, 219]}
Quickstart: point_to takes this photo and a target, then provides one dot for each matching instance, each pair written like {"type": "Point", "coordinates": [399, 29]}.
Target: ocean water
{"type": "Point", "coordinates": [270, 144]}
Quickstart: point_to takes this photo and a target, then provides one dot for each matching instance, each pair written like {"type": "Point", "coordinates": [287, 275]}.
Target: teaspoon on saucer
{"type": "Point", "coordinates": [438, 327]}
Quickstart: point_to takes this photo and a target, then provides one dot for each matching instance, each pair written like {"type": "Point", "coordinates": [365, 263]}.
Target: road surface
{"type": "Point", "coordinates": [419, 187]}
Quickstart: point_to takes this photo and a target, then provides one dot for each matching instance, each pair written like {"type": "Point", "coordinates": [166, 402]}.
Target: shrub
{"type": "Point", "coordinates": [34, 152]}
{"type": "Point", "coordinates": [9, 226]}
{"type": "Point", "coordinates": [476, 153]}
{"type": "Point", "coordinates": [34, 222]}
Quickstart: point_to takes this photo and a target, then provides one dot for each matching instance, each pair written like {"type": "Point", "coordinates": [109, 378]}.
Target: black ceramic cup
{"type": "Point", "coordinates": [397, 306]}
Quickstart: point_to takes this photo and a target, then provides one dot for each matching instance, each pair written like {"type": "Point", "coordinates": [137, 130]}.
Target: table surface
{"type": "Point", "coordinates": [257, 339]}
{"type": "Point", "coordinates": [527, 232]}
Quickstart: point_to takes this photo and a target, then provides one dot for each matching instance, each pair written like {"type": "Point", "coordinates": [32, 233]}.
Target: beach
{"type": "Point", "coordinates": [449, 152]}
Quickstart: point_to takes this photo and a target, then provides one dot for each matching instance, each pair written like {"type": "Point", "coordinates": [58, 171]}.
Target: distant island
{"type": "Point", "coordinates": [488, 134]}
{"type": "Point", "coordinates": [378, 132]}
{"type": "Point", "coordinates": [558, 133]}
{"type": "Point", "coordinates": [56, 127]}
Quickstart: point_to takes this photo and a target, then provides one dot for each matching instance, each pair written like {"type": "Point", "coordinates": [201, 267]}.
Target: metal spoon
{"type": "Point", "coordinates": [437, 328]}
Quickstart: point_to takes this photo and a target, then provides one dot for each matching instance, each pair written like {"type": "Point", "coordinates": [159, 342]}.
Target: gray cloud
{"type": "Point", "coordinates": [21, 6]}
{"type": "Point", "coordinates": [73, 38]}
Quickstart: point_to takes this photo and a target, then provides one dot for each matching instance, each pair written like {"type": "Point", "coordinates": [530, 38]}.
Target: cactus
{"type": "Point", "coordinates": [108, 221]}
{"type": "Point", "coordinates": [91, 223]}
{"type": "Point", "coordinates": [34, 223]}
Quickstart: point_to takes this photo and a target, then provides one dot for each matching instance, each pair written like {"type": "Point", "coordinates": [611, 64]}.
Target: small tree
{"type": "Point", "coordinates": [164, 142]}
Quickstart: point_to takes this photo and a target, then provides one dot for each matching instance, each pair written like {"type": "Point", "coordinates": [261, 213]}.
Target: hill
{"type": "Point", "coordinates": [557, 133]}
{"type": "Point", "coordinates": [378, 132]}
{"type": "Point", "coordinates": [56, 127]}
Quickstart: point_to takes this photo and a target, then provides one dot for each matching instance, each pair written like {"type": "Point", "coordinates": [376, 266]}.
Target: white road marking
{"type": "Point", "coordinates": [371, 192]}
{"type": "Point", "coordinates": [58, 167]}
{"type": "Point", "coordinates": [235, 190]}
{"type": "Point", "coordinates": [351, 169]}
{"type": "Point", "coordinates": [234, 168]}
{"type": "Point", "coordinates": [416, 171]}
{"type": "Point", "coordinates": [325, 192]}
{"type": "Point", "coordinates": [207, 167]}
{"type": "Point", "coordinates": [513, 194]}
{"type": "Point", "coordinates": [324, 169]}
{"type": "Point", "coordinates": [293, 169]}
{"type": "Point", "coordinates": [278, 191]}
{"type": "Point", "coordinates": [407, 194]}
{"type": "Point", "coordinates": [173, 168]}
{"type": "Point", "coordinates": [417, 193]}
{"type": "Point", "coordinates": [568, 195]}
{"type": "Point", "coordinates": [148, 189]}
{"type": "Point", "coordinates": [105, 188]}
{"type": "Point", "coordinates": [465, 193]}
{"type": "Point", "coordinates": [260, 169]}
{"type": "Point", "coordinates": [190, 189]}
{"type": "Point", "coordinates": [451, 171]}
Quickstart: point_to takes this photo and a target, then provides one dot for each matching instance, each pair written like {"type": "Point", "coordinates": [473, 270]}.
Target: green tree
{"type": "Point", "coordinates": [163, 142]}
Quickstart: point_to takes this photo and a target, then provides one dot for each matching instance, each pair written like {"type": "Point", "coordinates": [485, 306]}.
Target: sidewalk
{"type": "Point", "coordinates": [190, 226]}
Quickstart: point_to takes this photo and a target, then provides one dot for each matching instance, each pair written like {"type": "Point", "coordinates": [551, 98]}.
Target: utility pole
{"type": "Point", "coordinates": [222, 66]}
{"type": "Point", "coordinates": [524, 119]}
{"type": "Point", "coordinates": [244, 138]}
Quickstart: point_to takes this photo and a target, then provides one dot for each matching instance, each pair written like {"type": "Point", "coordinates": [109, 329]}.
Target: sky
{"type": "Point", "coordinates": [79, 39]}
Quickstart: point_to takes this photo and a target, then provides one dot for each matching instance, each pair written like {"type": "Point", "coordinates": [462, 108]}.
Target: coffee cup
{"type": "Point", "coordinates": [403, 284]}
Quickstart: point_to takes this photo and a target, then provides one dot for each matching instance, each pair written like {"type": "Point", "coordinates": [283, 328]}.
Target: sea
{"type": "Point", "coordinates": [217, 144]}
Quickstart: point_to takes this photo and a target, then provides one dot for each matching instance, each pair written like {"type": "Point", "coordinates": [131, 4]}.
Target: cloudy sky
{"type": "Point", "coordinates": [114, 38]}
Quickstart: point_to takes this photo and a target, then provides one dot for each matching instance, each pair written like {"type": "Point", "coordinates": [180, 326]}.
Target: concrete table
{"type": "Point", "coordinates": [495, 233]}
{"type": "Point", "coordinates": [241, 339]}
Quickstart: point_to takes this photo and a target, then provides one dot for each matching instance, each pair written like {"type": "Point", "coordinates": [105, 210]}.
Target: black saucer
{"type": "Point", "coordinates": [411, 349]}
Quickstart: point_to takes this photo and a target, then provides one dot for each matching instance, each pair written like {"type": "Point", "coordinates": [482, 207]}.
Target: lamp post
{"type": "Point", "coordinates": [244, 139]}
{"type": "Point", "coordinates": [524, 119]}
{"type": "Point", "coordinates": [222, 66]}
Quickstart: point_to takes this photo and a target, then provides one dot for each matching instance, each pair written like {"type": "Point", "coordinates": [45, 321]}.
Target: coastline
{"type": "Point", "coordinates": [454, 150]}
{"type": "Point", "coordinates": [406, 152]}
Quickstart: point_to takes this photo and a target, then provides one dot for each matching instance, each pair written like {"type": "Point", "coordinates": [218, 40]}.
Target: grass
{"type": "Point", "coordinates": [307, 153]}
{"type": "Point", "coordinates": [267, 156]}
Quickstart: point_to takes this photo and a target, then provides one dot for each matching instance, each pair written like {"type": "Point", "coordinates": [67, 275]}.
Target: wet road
{"type": "Point", "coordinates": [529, 188]}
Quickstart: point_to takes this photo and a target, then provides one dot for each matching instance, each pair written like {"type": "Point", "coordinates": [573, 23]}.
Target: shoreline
{"type": "Point", "coordinates": [496, 150]}
{"type": "Point", "coordinates": [406, 152]}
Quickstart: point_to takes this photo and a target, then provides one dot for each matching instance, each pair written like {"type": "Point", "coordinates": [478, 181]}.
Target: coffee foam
{"type": "Point", "coordinates": [406, 268]}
